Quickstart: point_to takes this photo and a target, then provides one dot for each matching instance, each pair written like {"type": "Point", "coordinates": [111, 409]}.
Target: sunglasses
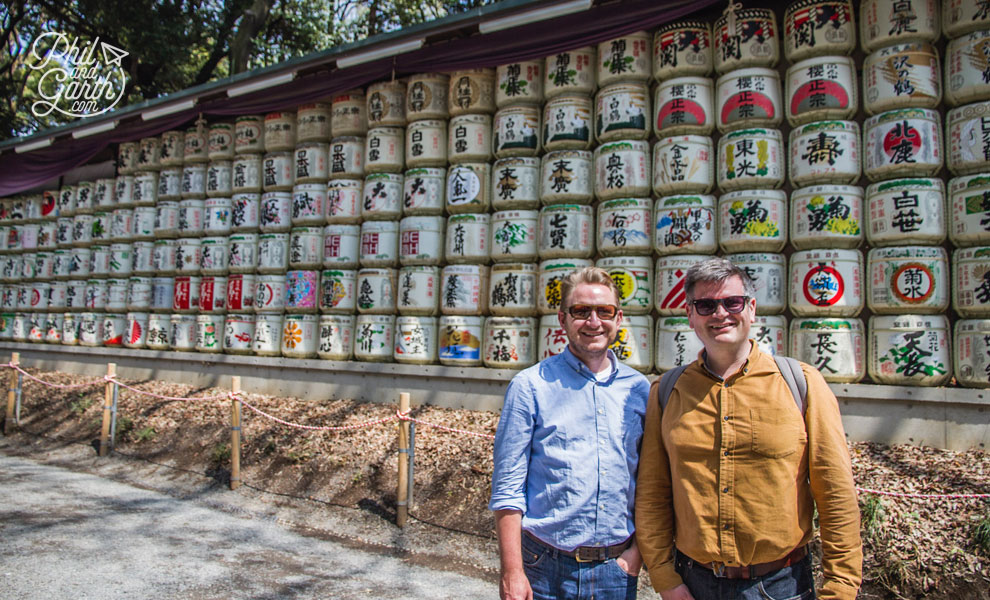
{"type": "Point", "coordinates": [707, 306]}
{"type": "Point", "coordinates": [605, 312]}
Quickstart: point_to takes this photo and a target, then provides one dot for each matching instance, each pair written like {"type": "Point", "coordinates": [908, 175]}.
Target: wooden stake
{"type": "Point", "coordinates": [8, 424]}
{"type": "Point", "coordinates": [402, 493]}
{"type": "Point", "coordinates": [235, 433]}
{"type": "Point", "coordinates": [107, 411]}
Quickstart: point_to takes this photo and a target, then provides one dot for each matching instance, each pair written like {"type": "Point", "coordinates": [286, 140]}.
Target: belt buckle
{"type": "Point", "coordinates": [718, 570]}
{"type": "Point", "coordinates": [585, 554]}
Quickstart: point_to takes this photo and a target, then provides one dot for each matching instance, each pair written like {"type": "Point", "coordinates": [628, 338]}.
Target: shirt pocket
{"type": "Point", "coordinates": [777, 432]}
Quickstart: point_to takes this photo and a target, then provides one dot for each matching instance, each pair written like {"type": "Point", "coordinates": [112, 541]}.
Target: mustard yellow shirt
{"type": "Point", "coordinates": [732, 475]}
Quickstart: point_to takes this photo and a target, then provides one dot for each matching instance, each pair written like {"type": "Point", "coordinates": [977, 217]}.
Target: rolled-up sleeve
{"type": "Point", "coordinates": [513, 444]}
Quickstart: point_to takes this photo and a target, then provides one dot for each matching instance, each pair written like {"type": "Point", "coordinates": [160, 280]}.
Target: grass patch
{"type": "Point", "coordinates": [220, 454]}
{"type": "Point", "coordinates": [79, 406]}
{"type": "Point", "coordinates": [145, 434]}
{"type": "Point", "coordinates": [981, 533]}
{"type": "Point", "coordinates": [874, 514]}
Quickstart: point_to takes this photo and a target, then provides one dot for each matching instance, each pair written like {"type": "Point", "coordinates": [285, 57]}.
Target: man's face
{"type": "Point", "coordinates": [591, 336]}
{"type": "Point", "coordinates": [721, 328]}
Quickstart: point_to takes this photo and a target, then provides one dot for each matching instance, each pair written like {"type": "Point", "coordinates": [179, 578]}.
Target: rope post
{"type": "Point", "coordinates": [8, 424]}
{"type": "Point", "coordinates": [402, 495]}
{"type": "Point", "coordinates": [107, 409]}
{"type": "Point", "coordinates": [235, 432]}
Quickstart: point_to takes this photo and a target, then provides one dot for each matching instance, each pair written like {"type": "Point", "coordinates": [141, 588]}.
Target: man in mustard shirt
{"type": "Point", "coordinates": [730, 473]}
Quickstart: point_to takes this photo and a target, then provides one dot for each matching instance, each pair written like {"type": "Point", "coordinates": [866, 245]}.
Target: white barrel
{"type": "Point", "coordinates": [965, 65]}
{"type": "Point", "coordinates": [63, 233]}
{"type": "Point", "coordinates": [44, 265]}
{"type": "Point", "coordinates": [622, 170]}
{"type": "Point", "coordinates": [825, 152]}
{"type": "Point", "coordinates": [625, 226]}
{"type": "Point", "coordinates": [683, 165]}
{"type": "Point", "coordinates": [240, 292]}
{"type": "Point", "coordinates": [902, 76]}
{"type": "Point", "coordinates": [376, 291]}
{"type": "Point", "coordinates": [379, 244]}
{"type": "Point", "coordinates": [415, 340]}
{"type": "Point", "coordinates": [127, 155]}
{"type": "Point", "coordinates": [469, 139]}
{"type": "Point", "coordinates": [423, 191]}
{"type": "Point", "coordinates": [460, 340]}
{"type": "Point", "coordinates": [61, 261]}
{"type": "Point", "coordinates": [516, 183]}
{"type": "Point", "coordinates": [886, 22]}
{"type": "Point", "coordinates": [139, 293]}
{"type": "Point", "coordinates": [90, 329]}
{"type": "Point", "coordinates": [969, 198]}
{"type": "Point", "coordinates": [519, 83]}
{"type": "Point", "coordinates": [39, 295]}
{"type": "Point", "coordinates": [193, 181]}
{"type": "Point", "coordinates": [104, 194]}
{"type": "Point", "coordinates": [566, 231]}
{"type": "Point", "coordinates": [750, 158]}
{"type": "Point", "coordinates": [190, 217]}
{"type": "Point", "coordinates": [246, 174]}
{"type": "Point", "coordinates": [301, 291]}
{"type": "Point", "coordinates": [209, 333]}
{"type": "Point", "coordinates": [159, 330]}
{"type": "Point", "coordinates": [149, 154]}
{"type": "Point", "coordinates": [269, 294]}
{"type": "Point", "coordinates": [909, 350]}
{"type": "Point", "coordinates": [421, 240]}
{"type": "Point", "coordinates": [242, 252]}
{"type": "Point", "coordinates": [19, 324]}
{"type": "Point", "coordinates": [58, 295]}
{"type": "Point", "coordinates": [551, 274]}
{"type": "Point", "coordinates": [906, 211]}
{"type": "Point", "coordinates": [276, 212]}
{"type": "Point", "coordinates": [382, 199]}
{"type": "Point", "coordinates": [626, 58]}
{"type": "Point", "coordinates": [66, 202]}
{"type": "Point", "coordinates": [267, 335]}
{"type": "Point", "coordinates": [826, 283]}
{"type": "Point", "coordinates": [426, 96]}
{"type": "Point", "coordinates": [79, 261]}
{"type": "Point", "coordinates": [122, 223]}
{"type": "Point", "coordinates": [84, 201]}
{"type": "Point", "coordinates": [313, 122]}
{"type": "Point", "coordinates": [513, 235]}
{"type": "Point", "coordinates": [827, 216]}
{"type": "Point", "coordinates": [551, 337]}
{"type": "Point", "coordinates": [373, 338]}
{"type": "Point", "coordinates": [249, 134]}
{"type": "Point", "coordinates": [347, 157]}
{"type": "Point", "coordinates": [633, 275]}
{"type": "Point", "coordinates": [99, 264]}
{"type": "Point", "coordinates": [162, 294]}
{"type": "Point", "coordinates": [962, 16]}
{"type": "Point", "coordinates": [349, 113]}
{"type": "Point", "coordinates": [821, 88]}
{"type": "Point", "coordinates": [468, 188]}
{"type": "Point", "coordinates": [685, 225]}
{"type": "Point", "coordinates": [137, 330]}
{"type": "Point", "coordinates": [75, 294]}
{"type": "Point", "coordinates": [670, 296]}
{"type": "Point", "coordinates": [29, 232]}
{"type": "Point", "coordinates": [509, 342]}
{"type": "Point", "coordinates": [185, 294]}
{"type": "Point", "coordinates": [170, 183]}
{"type": "Point", "coordinates": [387, 104]}
{"type": "Point", "coordinates": [573, 71]}
{"type": "Point", "coordinates": [121, 260]}
{"type": "Point", "coordinates": [238, 333]}
{"type": "Point", "coordinates": [189, 255]}
{"type": "Point", "coordinates": [513, 290]}
{"type": "Point", "coordinates": [968, 137]}
{"type": "Point", "coordinates": [464, 290]}
{"type": "Point", "coordinates": [516, 131]}
{"type": "Point", "coordinates": [278, 170]}
{"type": "Point", "coordinates": [622, 112]}
{"type": "Point", "coordinates": [220, 143]}
{"type": "Point", "coordinates": [114, 329]}
{"type": "Point", "coordinates": [768, 272]}
{"type": "Point", "coordinates": [634, 342]}
{"type": "Point", "coordinates": [684, 106]}
{"type": "Point", "coordinates": [753, 221]}
{"type": "Point", "coordinates": [467, 238]}
{"type": "Point", "coordinates": [280, 131]}
{"type": "Point", "coordinates": [905, 142]}
{"type": "Point", "coordinates": [748, 98]}
{"type": "Point", "coordinates": [337, 291]}
{"type": "Point", "coordinates": [677, 344]}
{"type": "Point", "coordinates": [567, 177]}
{"type": "Point", "coordinates": [309, 204]}
{"type": "Point", "coordinates": [341, 246]}
{"type": "Point", "coordinates": [971, 352]}
{"type": "Point", "coordinates": [385, 150]}
{"type": "Point", "coordinates": [52, 327]}
{"type": "Point", "coordinates": [567, 122]}
{"type": "Point", "coordinates": [836, 347]}
{"type": "Point", "coordinates": [300, 336]}
{"type": "Point", "coordinates": [217, 214]}
{"type": "Point", "coordinates": [343, 201]}
{"type": "Point", "coordinates": [472, 91]}
{"type": "Point", "coordinates": [816, 27]}
{"type": "Point", "coordinates": [426, 144]}
{"type": "Point", "coordinates": [13, 266]}
{"type": "Point", "coordinates": [213, 295]}
{"type": "Point", "coordinates": [336, 337]}
{"type": "Point", "coordinates": [219, 178]}
{"type": "Point", "coordinates": [306, 248]}
{"type": "Point", "coordinates": [754, 41]}
{"type": "Point", "coordinates": [70, 328]}
{"type": "Point", "coordinates": [143, 193]}
{"type": "Point", "coordinates": [682, 48]}
{"type": "Point", "coordinates": [908, 279]}
{"type": "Point", "coordinates": [273, 252]}
{"type": "Point", "coordinates": [971, 282]}
{"type": "Point", "coordinates": [100, 233]}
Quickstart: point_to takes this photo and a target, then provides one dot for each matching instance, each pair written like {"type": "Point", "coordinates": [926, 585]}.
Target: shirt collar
{"type": "Point", "coordinates": [754, 351]}
{"type": "Point", "coordinates": [576, 364]}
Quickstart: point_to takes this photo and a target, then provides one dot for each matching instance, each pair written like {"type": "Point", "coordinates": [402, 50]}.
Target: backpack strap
{"type": "Point", "coordinates": [794, 376]}
{"type": "Point", "coordinates": [667, 382]}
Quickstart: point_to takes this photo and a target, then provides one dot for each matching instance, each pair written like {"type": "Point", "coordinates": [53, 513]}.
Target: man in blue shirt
{"type": "Point", "coordinates": [566, 452]}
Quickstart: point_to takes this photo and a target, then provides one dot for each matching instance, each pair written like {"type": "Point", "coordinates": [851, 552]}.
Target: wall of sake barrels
{"type": "Point", "coordinates": [839, 151]}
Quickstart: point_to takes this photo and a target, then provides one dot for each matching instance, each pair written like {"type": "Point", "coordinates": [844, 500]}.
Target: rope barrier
{"type": "Point", "coordinates": [160, 397]}
{"type": "Point", "coordinates": [926, 496]}
{"type": "Point", "coordinates": [406, 417]}
{"type": "Point", "coordinates": [315, 427]}
{"type": "Point", "coordinates": [54, 385]}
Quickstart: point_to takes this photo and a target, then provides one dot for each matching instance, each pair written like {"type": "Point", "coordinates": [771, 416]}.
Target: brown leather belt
{"type": "Point", "coordinates": [587, 553]}
{"type": "Point", "coordinates": [753, 571]}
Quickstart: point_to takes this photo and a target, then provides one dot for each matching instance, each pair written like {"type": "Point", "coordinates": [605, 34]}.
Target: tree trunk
{"type": "Point", "coordinates": [252, 22]}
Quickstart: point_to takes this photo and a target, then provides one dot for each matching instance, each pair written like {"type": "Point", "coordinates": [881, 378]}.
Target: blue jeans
{"type": "Point", "coordinates": [789, 583]}
{"type": "Point", "coordinates": [554, 576]}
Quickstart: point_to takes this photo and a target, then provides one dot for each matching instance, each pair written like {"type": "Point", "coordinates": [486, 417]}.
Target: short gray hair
{"type": "Point", "coordinates": [716, 270]}
{"type": "Point", "coordinates": [592, 275]}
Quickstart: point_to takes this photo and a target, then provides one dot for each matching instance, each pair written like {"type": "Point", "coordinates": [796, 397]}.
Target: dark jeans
{"type": "Point", "coordinates": [790, 583]}
{"type": "Point", "coordinates": [554, 576]}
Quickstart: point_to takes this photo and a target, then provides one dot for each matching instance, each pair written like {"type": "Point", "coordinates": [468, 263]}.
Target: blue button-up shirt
{"type": "Point", "coordinates": [566, 451]}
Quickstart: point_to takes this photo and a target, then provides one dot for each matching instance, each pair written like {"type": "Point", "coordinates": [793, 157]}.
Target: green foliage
{"type": "Point", "coordinates": [874, 514]}
{"type": "Point", "coordinates": [981, 533]}
{"type": "Point", "coordinates": [299, 457]}
{"type": "Point", "coordinates": [124, 426]}
{"type": "Point", "coordinates": [81, 405]}
{"type": "Point", "coordinates": [220, 455]}
{"type": "Point", "coordinates": [145, 434]}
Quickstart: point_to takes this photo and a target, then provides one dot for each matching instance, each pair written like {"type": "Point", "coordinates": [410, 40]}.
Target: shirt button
{"type": "Point", "coordinates": [601, 411]}
{"type": "Point", "coordinates": [725, 490]}
{"type": "Point", "coordinates": [726, 526]}
{"type": "Point", "coordinates": [725, 418]}
{"type": "Point", "coordinates": [601, 507]}
{"type": "Point", "coordinates": [726, 453]}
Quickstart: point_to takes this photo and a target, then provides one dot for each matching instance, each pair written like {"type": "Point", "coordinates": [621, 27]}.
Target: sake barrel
{"type": "Point", "coordinates": [341, 246]}
{"type": "Point", "coordinates": [122, 224]}
{"type": "Point", "coordinates": [19, 325]}
{"type": "Point", "coordinates": [189, 255]}
{"type": "Point", "coordinates": [573, 71]}
{"type": "Point", "coordinates": [249, 134]}
{"type": "Point", "coordinates": [185, 295]}
{"type": "Point", "coordinates": [905, 142]}
{"type": "Point", "coordinates": [677, 344]}
{"type": "Point", "coordinates": [566, 231]}
{"type": "Point", "coordinates": [373, 337]}
{"type": "Point", "coordinates": [149, 154]}
{"type": "Point", "coordinates": [415, 340]}
{"type": "Point", "coordinates": [269, 294]}
{"type": "Point", "coordinates": [827, 216]}
{"type": "Point", "coordinates": [344, 198]}
{"type": "Point", "coordinates": [385, 150]}
{"type": "Point", "coordinates": [834, 346]}
{"type": "Point", "coordinates": [748, 98]}
{"type": "Point", "coordinates": [426, 144]}
{"type": "Point", "coordinates": [567, 177]}
{"type": "Point", "coordinates": [624, 226]}
{"type": "Point", "coordinates": [347, 157]}
{"type": "Point", "coordinates": [469, 188]}
{"type": "Point", "coordinates": [753, 42]}
{"type": "Point", "coordinates": [469, 139]}
{"type": "Point", "coordinates": [567, 123]}
{"type": "Point", "coordinates": [246, 174]}
{"type": "Point", "coordinates": [750, 158]}
{"type": "Point", "coordinates": [121, 261]}
{"type": "Point", "coordinates": [770, 334]}
{"type": "Point", "coordinates": [909, 350]}
{"type": "Point", "coordinates": [513, 235]}
{"type": "Point", "coordinates": [84, 201]}
{"type": "Point", "coordinates": [300, 336]}
{"type": "Point", "coordinates": [216, 216]}
{"type": "Point", "coordinates": [136, 335]}
{"type": "Point", "coordinates": [965, 66]}
{"type": "Point", "coordinates": [816, 27]}
{"type": "Point", "coordinates": [464, 290]}
{"type": "Point", "coordinates": [183, 337]}
{"type": "Point", "coordinates": [267, 335]}
{"type": "Point", "coordinates": [968, 138]}
{"type": "Point", "coordinates": [242, 256]}
{"type": "Point", "coordinates": [240, 292]}
{"type": "Point", "coordinates": [379, 244]}
{"type": "Point", "coordinates": [382, 197]}
{"type": "Point", "coordinates": [472, 91]}
{"type": "Point", "coordinates": [426, 96]}
{"type": "Point", "coordinates": [36, 328]}
{"type": "Point", "coordinates": [423, 191]}
{"type": "Point", "coordinates": [336, 337]}
{"type": "Point", "coordinates": [349, 113]}
{"type": "Point", "coordinates": [421, 240]}
{"type": "Point", "coordinates": [209, 333]}
{"type": "Point", "coordinates": [90, 329]}
{"type": "Point", "coordinates": [67, 200]}
{"type": "Point", "coordinates": [387, 104]}
{"type": "Point", "coordinates": [962, 16]}
{"type": "Point", "coordinates": [311, 162]}
{"type": "Point", "coordinates": [682, 48]}
{"type": "Point", "coordinates": [193, 181]}
{"type": "Point", "coordinates": [886, 22]}
{"type": "Point", "coordinates": [683, 106]}
{"type": "Point", "coordinates": [70, 328]}
{"type": "Point", "coordinates": [273, 253]}
{"type": "Point", "coordinates": [280, 131]}
{"type": "Point", "coordinates": [376, 291]}
{"type": "Point", "coordinates": [170, 184]}
{"type": "Point", "coordinates": [901, 76]}
{"type": "Point", "coordinates": [753, 221]}
{"type": "Point", "coordinates": [219, 178]}
{"type": "Point", "coordinates": [196, 145]}
{"type": "Point", "coordinates": [220, 141]}
{"type": "Point", "coordinates": [75, 293]}
{"type": "Point", "coordinates": [337, 292]}
{"type": "Point", "coordinates": [670, 296]}
{"type": "Point", "coordinates": [279, 170]}
{"type": "Point", "coordinates": [213, 294]}
{"type": "Point", "coordinates": [516, 183]}
{"type": "Point", "coordinates": [768, 273]}
{"type": "Point", "coordinates": [516, 131]}
{"type": "Point", "coordinates": [622, 169]}
{"type": "Point", "coordinates": [626, 58]}
{"type": "Point", "coordinates": [139, 291]}
{"type": "Point", "coordinates": [127, 155]}
{"type": "Point", "coordinates": [460, 340]}
{"type": "Point", "coordinates": [971, 352]}
{"type": "Point", "coordinates": [309, 204]}
{"type": "Point", "coordinates": [969, 198]}
{"type": "Point", "coordinates": [162, 294]}
{"type": "Point", "coordinates": [165, 258]}
{"type": "Point", "coordinates": [634, 342]}
{"type": "Point", "coordinates": [825, 152]}
{"type": "Point", "coordinates": [159, 332]}
{"type": "Point", "coordinates": [238, 332]}
{"type": "Point", "coordinates": [551, 275]}
{"type": "Point", "coordinates": [313, 122]}
{"type": "Point", "coordinates": [143, 193]}
{"type": "Point", "coordinates": [971, 282]}
{"type": "Point", "coordinates": [683, 165]}
{"type": "Point", "coordinates": [276, 212]}
{"type": "Point", "coordinates": [306, 248]}
{"type": "Point", "coordinates": [633, 276]}
{"type": "Point", "coordinates": [509, 342]}
{"type": "Point", "coordinates": [826, 283]}
{"type": "Point", "coordinates": [61, 261]}
{"type": "Point", "coordinates": [908, 279]}
{"type": "Point", "coordinates": [52, 325]}
{"type": "Point", "coordinates": [513, 290]}
{"type": "Point", "coordinates": [63, 234]}
{"type": "Point", "coordinates": [906, 211]}
{"type": "Point", "coordinates": [467, 238]}
{"type": "Point", "coordinates": [301, 291]}
{"type": "Point", "coordinates": [622, 112]}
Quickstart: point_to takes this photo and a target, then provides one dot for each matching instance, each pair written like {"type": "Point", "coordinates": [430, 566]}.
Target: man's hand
{"type": "Point", "coordinates": [678, 593]}
{"type": "Point", "coordinates": [631, 561]}
{"type": "Point", "coordinates": [514, 585]}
